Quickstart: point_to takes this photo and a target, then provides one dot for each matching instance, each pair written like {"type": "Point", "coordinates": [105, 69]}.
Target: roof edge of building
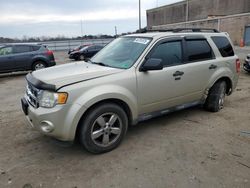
{"type": "Point", "coordinates": [168, 5]}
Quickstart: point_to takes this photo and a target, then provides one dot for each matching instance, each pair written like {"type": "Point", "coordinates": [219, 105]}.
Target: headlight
{"type": "Point", "coordinates": [49, 99]}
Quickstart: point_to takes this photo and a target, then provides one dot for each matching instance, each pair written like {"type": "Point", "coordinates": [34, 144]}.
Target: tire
{"type": "Point", "coordinates": [216, 97]}
{"type": "Point", "coordinates": [96, 135]}
{"type": "Point", "coordinates": [38, 65]}
{"type": "Point", "coordinates": [81, 58]}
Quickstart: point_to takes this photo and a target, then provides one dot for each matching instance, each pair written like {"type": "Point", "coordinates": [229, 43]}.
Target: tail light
{"type": "Point", "coordinates": [49, 52]}
{"type": "Point", "coordinates": [237, 65]}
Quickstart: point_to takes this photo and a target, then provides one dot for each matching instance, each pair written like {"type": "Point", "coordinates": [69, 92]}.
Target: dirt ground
{"type": "Point", "coordinates": [189, 148]}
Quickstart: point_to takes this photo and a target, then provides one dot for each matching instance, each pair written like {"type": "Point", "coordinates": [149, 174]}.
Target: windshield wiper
{"type": "Point", "coordinates": [99, 63]}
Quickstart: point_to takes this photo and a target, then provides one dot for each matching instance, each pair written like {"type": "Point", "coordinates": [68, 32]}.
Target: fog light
{"type": "Point", "coordinates": [47, 126]}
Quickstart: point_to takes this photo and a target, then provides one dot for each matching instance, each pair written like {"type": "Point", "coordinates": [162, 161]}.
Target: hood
{"type": "Point", "coordinates": [73, 72]}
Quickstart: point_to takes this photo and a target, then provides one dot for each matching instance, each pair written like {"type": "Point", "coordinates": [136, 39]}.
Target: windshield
{"type": "Point", "coordinates": [122, 52]}
{"type": "Point", "coordinates": [84, 48]}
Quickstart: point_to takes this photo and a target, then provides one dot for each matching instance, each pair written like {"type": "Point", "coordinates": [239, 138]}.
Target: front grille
{"type": "Point", "coordinates": [32, 95]}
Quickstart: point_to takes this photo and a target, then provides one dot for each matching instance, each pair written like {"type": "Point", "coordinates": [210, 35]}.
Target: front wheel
{"type": "Point", "coordinates": [103, 128]}
{"type": "Point", "coordinates": [81, 58]}
{"type": "Point", "coordinates": [216, 97]}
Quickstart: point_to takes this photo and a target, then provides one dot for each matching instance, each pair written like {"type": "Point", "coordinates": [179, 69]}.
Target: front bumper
{"type": "Point", "coordinates": [73, 56]}
{"type": "Point", "coordinates": [63, 119]}
{"type": "Point", "coordinates": [246, 65]}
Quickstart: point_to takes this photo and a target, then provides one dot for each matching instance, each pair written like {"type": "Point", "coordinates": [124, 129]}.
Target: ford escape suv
{"type": "Point", "coordinates": [134, 78]}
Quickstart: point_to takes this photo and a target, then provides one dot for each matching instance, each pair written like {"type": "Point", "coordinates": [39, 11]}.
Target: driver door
{"type": "Point", "coordinates": [161, 89]}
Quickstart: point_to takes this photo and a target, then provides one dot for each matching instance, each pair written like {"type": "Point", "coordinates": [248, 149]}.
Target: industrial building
{"type": "Point", "coordinates": [232, 16]}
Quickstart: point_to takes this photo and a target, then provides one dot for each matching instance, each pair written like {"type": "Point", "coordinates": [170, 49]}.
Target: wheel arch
{"type": "Point", "coordinates": [116, 101]}
{"type": "Point", "coordinates": [37, 60]}
{"type": "Point", "coordinates": [229, 84]}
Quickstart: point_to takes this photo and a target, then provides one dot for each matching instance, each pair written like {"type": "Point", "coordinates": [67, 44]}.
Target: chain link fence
{"type": "Point", "coordinates": [70, 44]}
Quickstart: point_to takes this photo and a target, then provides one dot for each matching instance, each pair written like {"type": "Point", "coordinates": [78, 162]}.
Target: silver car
{"type": "Point", "coordinates": [134, 78]}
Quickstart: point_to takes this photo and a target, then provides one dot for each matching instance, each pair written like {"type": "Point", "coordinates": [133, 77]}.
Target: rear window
{"type": "Point", "coordinates": [224, 46]}
{"type": "Point", "coordinates": [35, 48]}
{"type": "Point", "coordinates": [198, 50]}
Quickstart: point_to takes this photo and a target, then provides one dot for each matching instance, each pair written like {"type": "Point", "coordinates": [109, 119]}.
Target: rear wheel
{"type": "Point", "coordinates": [103, 128]}
{"type": "Point", "coordinates": [216, 97]}
{"type": "Point", "coordinates": [38, 65]}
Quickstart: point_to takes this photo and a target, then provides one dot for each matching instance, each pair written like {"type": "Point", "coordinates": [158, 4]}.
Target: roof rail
{"type": "Point", "coordinates": [186, 30]}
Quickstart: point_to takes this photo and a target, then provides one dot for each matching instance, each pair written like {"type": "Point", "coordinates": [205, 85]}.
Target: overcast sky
{"type": "Point", "coordinates": [63, 17]}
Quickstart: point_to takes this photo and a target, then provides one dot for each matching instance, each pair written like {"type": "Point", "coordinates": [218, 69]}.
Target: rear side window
{"type": "Point", "coordinates": [224, 46]}
{"type": "Point", "coordinates": [22, 49]}
{"type": "Point", "coordinates": [35, 48]}
{"type": "Point", "coordinates": [198, 50]}
{"type": "Point", "coordinates": [169, 52]}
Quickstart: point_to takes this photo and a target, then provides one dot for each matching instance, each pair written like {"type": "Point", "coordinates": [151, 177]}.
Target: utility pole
{"type": "Point", "coordinates": [115, 31]}
{"type": "Point", "coordinates": [187, 10]}
{"type": "Point", "coordinates": [139, 14]}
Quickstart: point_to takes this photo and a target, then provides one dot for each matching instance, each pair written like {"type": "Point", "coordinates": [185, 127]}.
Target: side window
{"type": "Point", "coordinates": [224, 46]}
{"type": "Point", "coordinates": [91, 48]}
{"type": "Point", "coordinates": [35, 48]}
{"type": "Point", "coordinates": [22, 49]}
{"type": "Point", "coordinates": [169, 52]}
{"type": "Point", "coordinates": [98, 47]}
{"type": "Point", "coordinates": [198, 50]}
{"type": "Point", "coordinates": [6, 51]}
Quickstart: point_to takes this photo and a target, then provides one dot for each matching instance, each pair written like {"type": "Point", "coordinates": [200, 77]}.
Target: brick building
{"type": "Point", "coordinates": [232, 16]}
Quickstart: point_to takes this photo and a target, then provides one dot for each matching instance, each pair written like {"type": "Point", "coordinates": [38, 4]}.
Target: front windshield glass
{"type": "Point", "coordinates": [122, 52]}
{"type": "Point", "coordinates": [84, 48]}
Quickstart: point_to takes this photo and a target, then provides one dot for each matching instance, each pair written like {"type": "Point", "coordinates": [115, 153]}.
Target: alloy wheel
{"type": "Point", "coordinates": [106, 129]}
{"type": "Point", "coordinates": [39, 66]}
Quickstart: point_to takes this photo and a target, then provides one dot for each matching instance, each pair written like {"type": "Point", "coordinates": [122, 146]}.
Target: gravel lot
{"type": "Point", "coordinates": [189, 148]}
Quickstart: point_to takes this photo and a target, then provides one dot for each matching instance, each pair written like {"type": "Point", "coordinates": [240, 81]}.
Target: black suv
{"type": "Point", "coordinates": [86, 52]}
{"type": "Point", "coordinates": [19, 57]}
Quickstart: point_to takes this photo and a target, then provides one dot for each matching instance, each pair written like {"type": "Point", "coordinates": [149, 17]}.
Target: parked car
{"type": "Point", "coordinates": [86, 52]}
{"type": "Point", "coordinates": [246, 65]}
{"type": "Point", "coordinates": [134, 78]}
{"type": "Point", "coordinates": [77, 48]}
{"type": "Point", "coordinates": [19, 57]}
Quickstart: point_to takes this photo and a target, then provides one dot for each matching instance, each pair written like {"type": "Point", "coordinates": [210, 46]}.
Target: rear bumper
{"type": "Point", "coordinates": [51, 63]}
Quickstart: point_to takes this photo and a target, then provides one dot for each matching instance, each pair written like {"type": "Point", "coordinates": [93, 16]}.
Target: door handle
{"type": "Point", "coordinates": [178, 73]}
{"type": "Point", "coordinates": [212, 66]}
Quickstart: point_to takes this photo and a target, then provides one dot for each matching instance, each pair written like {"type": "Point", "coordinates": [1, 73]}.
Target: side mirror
{"type": "Point", "coordinates": [151, 64]}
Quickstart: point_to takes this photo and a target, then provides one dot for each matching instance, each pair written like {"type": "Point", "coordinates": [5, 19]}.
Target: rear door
{"type": "Point", "coordinates": [6, 59]}
{"type": "Point", "coordinates": [200, 65]}
{"type": "Point", "coordinates": [23, 55]}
